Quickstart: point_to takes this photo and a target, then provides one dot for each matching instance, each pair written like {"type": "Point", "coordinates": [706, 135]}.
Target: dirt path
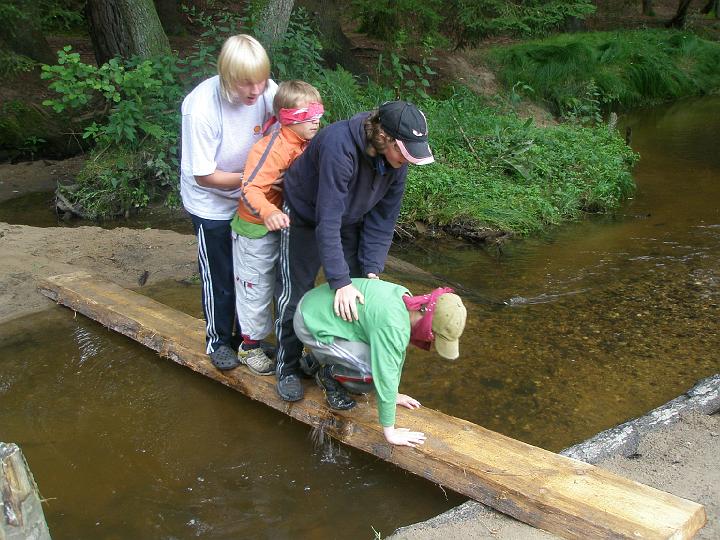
{"type": "Point", "coordinates": [681, 459]}
{"type": "Point", "coordinates": [28, 254]}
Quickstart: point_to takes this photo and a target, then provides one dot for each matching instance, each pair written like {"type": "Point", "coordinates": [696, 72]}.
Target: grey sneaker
{"type": "Point", "coordinates": [290, 388]}
{"type": "Point", "coordinates": [257, 361]}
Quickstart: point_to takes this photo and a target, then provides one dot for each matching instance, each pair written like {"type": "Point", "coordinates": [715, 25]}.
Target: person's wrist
{"type": "Point", "coordinates": [339, 283]}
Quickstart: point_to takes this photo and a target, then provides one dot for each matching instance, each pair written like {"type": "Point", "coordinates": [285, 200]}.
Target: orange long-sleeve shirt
{"type": "Point", "coordinates": [268, 159]}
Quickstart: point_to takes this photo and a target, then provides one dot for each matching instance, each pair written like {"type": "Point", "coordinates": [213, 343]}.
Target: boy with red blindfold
{"type": "Point", "coordinates": [256, 238]}
{"type": "Point", "coordinates": [368, 353]}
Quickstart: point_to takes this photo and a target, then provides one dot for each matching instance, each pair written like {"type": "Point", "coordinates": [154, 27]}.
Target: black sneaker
{"type": "Point", "coordinates": [224, 358]}
{"type": "Point", "coordinates": [335, 395]}
{"type": "Point", "coordinates": [290, 388]}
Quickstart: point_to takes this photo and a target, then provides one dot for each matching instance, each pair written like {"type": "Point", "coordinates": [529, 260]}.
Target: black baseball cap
{"type": "Point", "coordinates": [407, 125]}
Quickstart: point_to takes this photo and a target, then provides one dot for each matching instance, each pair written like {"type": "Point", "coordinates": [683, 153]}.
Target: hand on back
{"type": "Point", "coordinates": [345, 304]}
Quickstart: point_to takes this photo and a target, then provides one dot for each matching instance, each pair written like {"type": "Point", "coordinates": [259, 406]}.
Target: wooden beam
{"type": "Point", "coordinates": [21, 513]}
{"type": "Point", "coordinates": [567, 497]}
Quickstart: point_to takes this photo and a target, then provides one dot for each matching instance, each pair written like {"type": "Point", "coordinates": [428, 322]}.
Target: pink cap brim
{"type": "Point", "coordinates": [415, 161]}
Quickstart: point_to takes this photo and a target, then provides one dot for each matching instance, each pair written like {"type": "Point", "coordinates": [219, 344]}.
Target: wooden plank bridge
{"type": "Point", "coordinates": [566, 497]}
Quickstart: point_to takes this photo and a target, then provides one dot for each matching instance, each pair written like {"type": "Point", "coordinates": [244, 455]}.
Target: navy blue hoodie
{"type": "Point", "coordinates": [334, 183]}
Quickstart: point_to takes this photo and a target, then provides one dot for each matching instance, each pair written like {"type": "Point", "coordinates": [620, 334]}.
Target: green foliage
{"type": "Point", "coordinates": [48, 15]}
{"type": "Point", "coordinates": [111, 183]}
{"type": "Point", "coordinates": [341, 93]}
{"type": "Point", "coordinates": [492, 169]}
{"type": "Point", "coordinates": [12, 64]}
{"type": "Point", "coordinates": [128, 107]}
{"type": "Point", "coordinates": [579, 75]}
{"type": "Point", "coordinates": [217, 26]}
{"type": "Point", "coordinates": [496, 170]}
{"type": "Point", "coordinates": [23, 128]}
{"type": "Point", "coordinates": [465, 22]}
{"type": "Point", "coordinates": [477, 19]}
{"type": "Point", "coordinates": [386, 19]}
{"type": "Point", "coordinates": [61, 15]}
{"type": "Point", "coordinates": [407, 80]}
{"type": "Point", "coordinates": [298, 54]}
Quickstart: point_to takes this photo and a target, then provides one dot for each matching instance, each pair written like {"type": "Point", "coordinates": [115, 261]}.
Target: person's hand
{"type": "Point", "coordinates": [373, 276]}
{"type": "Point", "coordinates": [276, 221]}
{"type": "Point", "coordinates": [345, 305]}
{"type": "Point", "coordinates": [407, 402]}
{"type": "Point", "coordinates": [403, 436]}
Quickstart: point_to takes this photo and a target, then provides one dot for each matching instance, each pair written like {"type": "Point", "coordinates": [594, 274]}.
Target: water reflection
{"type": "Point", "coordinates": [37, 209]}
{"type": "Point", "coordinates": [124, 444]}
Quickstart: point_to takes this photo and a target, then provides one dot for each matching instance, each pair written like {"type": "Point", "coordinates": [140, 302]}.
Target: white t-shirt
{"type": "Point", "coordinates": [217, 134]}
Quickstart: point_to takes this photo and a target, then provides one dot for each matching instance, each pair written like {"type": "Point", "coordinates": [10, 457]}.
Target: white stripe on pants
{"type": "Point", "coordinates": [351, 354]}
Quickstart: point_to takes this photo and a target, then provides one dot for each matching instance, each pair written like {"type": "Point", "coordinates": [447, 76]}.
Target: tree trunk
{"type": "Point", "coordinates": [125, 28]}
{"type": "Point", "coordinates": [273, 21]}
{"type": "Point", "coordinates": [678, 21]}
{"type": "Point", "coordinates": [169, 13]}
{"type": "Point", "coordinates": [23, 36]}
{"type": "Point", "coordinates": [337, 48]}
{"type": "Point", "coordinates": [712, 7]}
{"type": "Point", "coordinates": [647, 7]}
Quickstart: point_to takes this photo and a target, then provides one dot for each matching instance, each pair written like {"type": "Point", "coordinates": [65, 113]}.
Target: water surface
{"type": "Point", "coordinates": [604, 319]}
{"type": "Point", "coordinates": [569, 334]}
{"type": "Point", "coordinates": [124, 444]}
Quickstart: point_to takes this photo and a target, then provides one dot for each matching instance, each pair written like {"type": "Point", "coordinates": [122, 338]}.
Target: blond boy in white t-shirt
{"type": "Point", "coordinates": [221, 119]}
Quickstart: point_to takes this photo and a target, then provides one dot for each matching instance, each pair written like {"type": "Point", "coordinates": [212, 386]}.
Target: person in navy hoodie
{"type": "Point", "coordinates": [343, 197]}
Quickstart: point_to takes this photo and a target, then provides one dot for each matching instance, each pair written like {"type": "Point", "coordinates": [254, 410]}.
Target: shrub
{"type": "Point", "coordinates": [496, 170]}
{"type": "Point", "coordinates": [131, 108]}
{"type": "Point", "coordinates": [616, 69]}
{"type": "Point", "coordinates": [465, 22]}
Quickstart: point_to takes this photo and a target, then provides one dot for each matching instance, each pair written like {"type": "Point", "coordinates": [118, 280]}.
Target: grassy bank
{"type": "Point", "coordinates": [575, 72]}
{"type": "Point", "coordinates": [494, 170]}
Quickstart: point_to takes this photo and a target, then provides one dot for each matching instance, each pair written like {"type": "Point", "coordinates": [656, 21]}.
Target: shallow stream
{"type": "Point", "coordinates": [569, 334]}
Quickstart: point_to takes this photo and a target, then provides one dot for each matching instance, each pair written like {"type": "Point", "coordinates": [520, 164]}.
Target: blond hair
{"type": "Point", "coordinates": [377, 139]}
{"type": "Point", "coordinates": [292, 94]}
{"type": "Point", "coordinates": [242, 60]}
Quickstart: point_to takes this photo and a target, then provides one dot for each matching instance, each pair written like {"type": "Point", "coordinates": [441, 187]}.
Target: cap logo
{"type": "Point", "coordinates": [418, 133]}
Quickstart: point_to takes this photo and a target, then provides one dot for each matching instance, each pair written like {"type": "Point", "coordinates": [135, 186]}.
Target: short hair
{"type": "Point", "coordinates": [377, 139]}
{"type": "Point", "coordinates": [242, 59]}
{"type": "Point", "coordinates": [290, 94]}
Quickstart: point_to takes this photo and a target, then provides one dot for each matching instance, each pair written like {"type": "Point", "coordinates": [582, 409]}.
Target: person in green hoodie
{"type": "Point", "coordinates": [368, 353]}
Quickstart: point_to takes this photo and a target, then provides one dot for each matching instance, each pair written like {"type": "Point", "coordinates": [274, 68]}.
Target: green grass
{"type": "Point", "coordinates": [626, 69]}
{"type": "Point", "coordinates": [498, 171]}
